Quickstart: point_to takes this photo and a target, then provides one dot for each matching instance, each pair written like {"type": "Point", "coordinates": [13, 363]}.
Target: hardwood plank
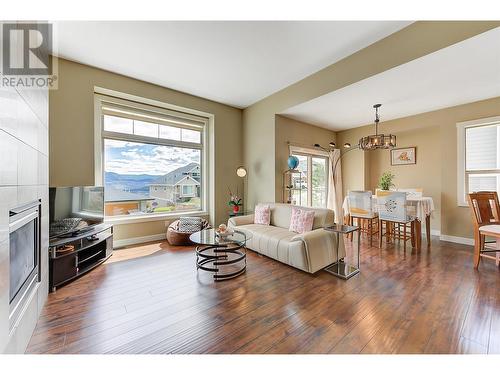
{"type": "Point", "coordinates": [102, 330]}
{"type": "Point", "coordinates": [477, 324]}
{"type": "Point", "coordinates": [151, 299]}
{"type": "Point", "coordinates": [494, 343]}
{"type": "Point", "coordinates": [448, 324]}
{"type": "Point", "coordinates": [223, 313]}
{"type": "Point", "coordinates": [466, 346]}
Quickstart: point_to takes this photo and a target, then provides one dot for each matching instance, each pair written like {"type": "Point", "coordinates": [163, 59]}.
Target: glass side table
{"type": "Point", "coordinates": [340, 268]}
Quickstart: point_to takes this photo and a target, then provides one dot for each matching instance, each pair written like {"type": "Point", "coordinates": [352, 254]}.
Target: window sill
{"type": "Point", "coordinates": [131, 219]}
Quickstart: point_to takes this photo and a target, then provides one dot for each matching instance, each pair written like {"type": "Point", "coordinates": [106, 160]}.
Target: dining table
{"type": "Point", "coordinates": [420, 207]}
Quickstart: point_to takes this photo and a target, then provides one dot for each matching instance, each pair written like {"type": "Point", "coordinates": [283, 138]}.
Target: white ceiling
{"type": "Point", "coordinates": [237, 62]}
{"type": "Point", "coordinates": [465, 72]}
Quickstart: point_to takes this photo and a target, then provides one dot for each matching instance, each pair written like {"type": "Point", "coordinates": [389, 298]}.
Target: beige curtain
{"type": "Point", "coordinates": [334, 201]}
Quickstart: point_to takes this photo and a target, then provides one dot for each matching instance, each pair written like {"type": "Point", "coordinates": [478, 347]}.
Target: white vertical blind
{"type": "Point", "coordinates": [481, 148]}
{"type": "Point", "coordinates": [482, 158]}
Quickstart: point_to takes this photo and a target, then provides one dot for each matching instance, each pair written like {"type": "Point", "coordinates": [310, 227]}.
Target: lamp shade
{"type": "Point", "coordinates": [241, 171]}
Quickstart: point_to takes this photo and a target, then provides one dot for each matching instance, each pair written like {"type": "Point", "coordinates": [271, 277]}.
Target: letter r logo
{"type": "Point", "coordinates": [26, 48]}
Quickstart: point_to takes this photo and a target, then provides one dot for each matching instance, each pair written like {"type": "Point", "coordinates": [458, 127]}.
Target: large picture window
{"type": "Point", "coordinates": [313, 190]}
{"type": "Point", "coordinates": [152, 159]}
{"type": "Point", "coordinates": [479, 157]}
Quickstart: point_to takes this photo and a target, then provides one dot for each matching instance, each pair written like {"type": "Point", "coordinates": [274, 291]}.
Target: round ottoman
{"type": "Point", "coordinates": [176, 237]}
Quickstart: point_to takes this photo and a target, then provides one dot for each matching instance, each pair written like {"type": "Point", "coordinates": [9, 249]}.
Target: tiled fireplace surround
{"type": "Point", "coordinates": [23, 179]}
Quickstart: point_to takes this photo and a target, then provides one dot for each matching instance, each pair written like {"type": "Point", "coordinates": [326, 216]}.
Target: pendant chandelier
{"type": "Point", "coordinates": [377, 141]}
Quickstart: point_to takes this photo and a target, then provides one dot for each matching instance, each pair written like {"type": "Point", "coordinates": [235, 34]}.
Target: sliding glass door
{"type": "Point", "coordinates": [319, 182]}
{"type": "Point", "coordinates": [314, 187]}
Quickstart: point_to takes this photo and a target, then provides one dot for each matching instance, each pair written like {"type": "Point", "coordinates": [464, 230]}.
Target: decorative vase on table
{"type": "Point", "coordinates": [235, 201]}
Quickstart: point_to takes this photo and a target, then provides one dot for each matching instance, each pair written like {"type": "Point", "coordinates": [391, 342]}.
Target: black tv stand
{"type": "Point", "coordinates": [90, 249]}
{"type": "Point", "coordinates": [74, 233]}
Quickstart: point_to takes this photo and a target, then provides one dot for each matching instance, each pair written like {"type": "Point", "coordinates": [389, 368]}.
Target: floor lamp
{"type": "Point", "coordinates": [242, 172]}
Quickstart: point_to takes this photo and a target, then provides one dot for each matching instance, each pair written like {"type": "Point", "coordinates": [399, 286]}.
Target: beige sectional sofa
{"type": "Point", "coordinates": [310, 251]}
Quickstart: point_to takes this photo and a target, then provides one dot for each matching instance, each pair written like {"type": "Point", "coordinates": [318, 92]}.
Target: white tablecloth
{"type": "Point", "coordinates": [424, 206]}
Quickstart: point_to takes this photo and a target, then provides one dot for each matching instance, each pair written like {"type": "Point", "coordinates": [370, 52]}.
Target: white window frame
{"type": "Point", "coordinates": [310, 153]}
{"type": "Point", "coordinates": [103, 95]}
{"type": "Point", "coordinates": [462, 174]}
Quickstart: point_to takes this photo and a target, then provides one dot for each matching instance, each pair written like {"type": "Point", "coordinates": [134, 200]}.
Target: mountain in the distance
{"type": "Point", "coordinates": [135, 183]}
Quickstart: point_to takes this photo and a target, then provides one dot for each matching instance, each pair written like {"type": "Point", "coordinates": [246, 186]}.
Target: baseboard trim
{"type": "Point", "coordinates": [138, 240]}
{"type": "Point", "coordinates": [455, 239]}
{"type": "Point", "coordinates": [447, 238]}
{"type": "Point", "coordinates": [162, 236]}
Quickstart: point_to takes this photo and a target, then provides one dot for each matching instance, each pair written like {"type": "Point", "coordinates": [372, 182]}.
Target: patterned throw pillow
{"type": "Point", "coordinates": [262, 215]}
{"type": "Point", "coordinates": [190, 224]}
{"type": "Point", "coordinates": [301, 221]}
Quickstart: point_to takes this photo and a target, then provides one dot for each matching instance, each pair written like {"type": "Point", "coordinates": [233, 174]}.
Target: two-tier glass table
{"type": "Point", "coordinates": [224, 256]}
{"type": "Point", "coordinates": [340, 268]}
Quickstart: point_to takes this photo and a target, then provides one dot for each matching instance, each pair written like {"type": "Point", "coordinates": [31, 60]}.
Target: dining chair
{"type": "Point", "coordinates": [485, 211]}
{"type": "Point", "coordinates": [412, 192]}
{"type": "Point", "coordinates": [361, 210]}
{"type": "Point", "coordinates": [392, 210]}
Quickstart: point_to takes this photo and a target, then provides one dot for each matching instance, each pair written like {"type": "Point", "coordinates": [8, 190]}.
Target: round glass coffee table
{"type": "Point", "coordinates": [224, 256]}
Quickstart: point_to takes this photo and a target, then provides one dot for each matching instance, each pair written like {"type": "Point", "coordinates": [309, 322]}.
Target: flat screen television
{"type": "Point", "coordinates": [74, 210]}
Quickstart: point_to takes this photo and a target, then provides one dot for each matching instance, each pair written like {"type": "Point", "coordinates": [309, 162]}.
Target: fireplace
{"type": "Point", "coordinates": [24, 250]}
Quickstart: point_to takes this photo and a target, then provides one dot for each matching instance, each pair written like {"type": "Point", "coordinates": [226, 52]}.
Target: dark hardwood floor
{"type": "Point", "coordinates": [150, 299]}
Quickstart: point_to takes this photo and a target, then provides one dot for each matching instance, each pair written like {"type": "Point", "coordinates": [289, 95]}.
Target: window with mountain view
{"type": "Point", "coordinates": [152, 164]}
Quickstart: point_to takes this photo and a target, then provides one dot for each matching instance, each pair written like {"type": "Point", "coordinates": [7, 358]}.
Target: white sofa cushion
{"type": "Point", "coordinates": [281, 214]}
{"type": "Point", "coordinates": [491, 228]}
{"type": "Point", "coordinates": [277, 243]}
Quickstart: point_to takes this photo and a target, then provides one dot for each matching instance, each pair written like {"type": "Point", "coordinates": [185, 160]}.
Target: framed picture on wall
{"type": "Point", "coordinates": [404, 156]}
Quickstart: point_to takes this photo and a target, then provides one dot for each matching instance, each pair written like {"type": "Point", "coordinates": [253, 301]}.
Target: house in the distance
{"type": "Point", "coordinates": [120, 202]}
{"type": "Point", "coordinates": [177, 186]}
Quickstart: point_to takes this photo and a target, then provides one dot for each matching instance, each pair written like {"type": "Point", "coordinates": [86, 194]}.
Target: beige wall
{"type": "Point", "coordinates": [355, 170]}
{"type": "Point", "coordinates": [299, 133]}
{"type": "Point", "coordinates": [414, 41]}
{"type": "Point", "coordinates": [425, 174]}
{"type": "Point", "coordinates": [435, 136]}
{"type": "Point", "coordinates": [72, 133]}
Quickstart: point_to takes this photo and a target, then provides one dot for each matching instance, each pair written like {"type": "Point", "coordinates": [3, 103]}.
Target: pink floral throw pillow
{"type": "Point", "coordinates": [301, 221]}
{"type": "Point", "coordinates": [262, 215]}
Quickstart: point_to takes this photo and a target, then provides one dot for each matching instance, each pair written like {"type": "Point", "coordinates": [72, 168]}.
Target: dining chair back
{"type": "Point", "coordinates": [362, 211]}
{"type": "Point", "coordinates": [485, 210]}
{"type": "Point", "coordinates": [485, 207]}
{"type": "Point", "coordinates": [392, 211]}
{"type": "Point", "coordinates": [361, 204]}
{"type": "Point", "coordinates": [392, 206]}
{"type": "Point", "coordinates": [414, 193]}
